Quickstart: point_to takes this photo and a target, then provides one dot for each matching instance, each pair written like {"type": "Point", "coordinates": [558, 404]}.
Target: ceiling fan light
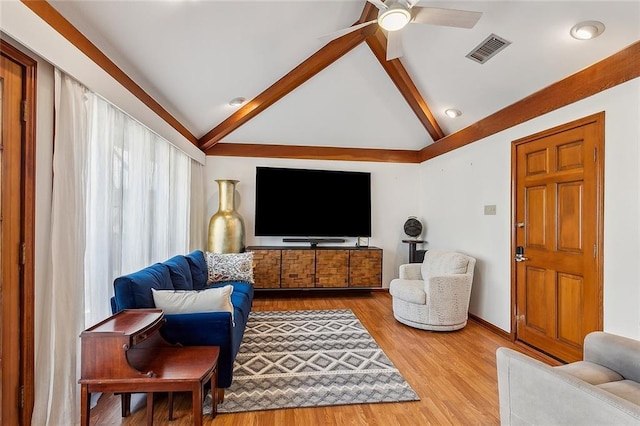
{"type": "Point", "coordinates": [394, 18]}
{"type": "Point", "coordinates": [587, 30]}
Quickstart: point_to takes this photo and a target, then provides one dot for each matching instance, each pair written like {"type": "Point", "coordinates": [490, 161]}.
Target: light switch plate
{"type": "Point", "coordinates": [490, 210]}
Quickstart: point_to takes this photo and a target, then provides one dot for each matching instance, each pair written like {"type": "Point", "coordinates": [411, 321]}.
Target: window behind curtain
{"type": "Point", "coordinates": [139, 193]}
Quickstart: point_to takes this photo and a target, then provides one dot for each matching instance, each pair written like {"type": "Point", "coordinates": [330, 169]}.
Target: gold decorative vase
{"type": "Point", "coordinates": [226, 226]}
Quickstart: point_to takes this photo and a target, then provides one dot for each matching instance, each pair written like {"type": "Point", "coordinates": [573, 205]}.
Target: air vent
{"type": "Point", "coordinates": [488, 49]}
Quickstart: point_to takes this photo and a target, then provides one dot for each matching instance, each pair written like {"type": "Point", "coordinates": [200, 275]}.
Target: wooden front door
{"type": "Point", "coordinates": [558, 208]}
{"type": "Point", "coordinates": [17, 124]}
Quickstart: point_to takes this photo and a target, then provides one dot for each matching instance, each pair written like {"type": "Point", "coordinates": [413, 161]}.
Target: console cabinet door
{"type": "Point", "coordinates": [332, 268]}
{"type": "Point", "coordinates": [298, 268]}
{"type": "Point", "coordinates": [266, 268]}
{"type": "Point", "coordinates": [365, 268]}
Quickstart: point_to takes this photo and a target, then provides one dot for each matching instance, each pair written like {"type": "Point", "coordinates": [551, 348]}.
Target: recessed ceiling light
{"type": "Point", "coordinates": [453, 113]}
{"type": "Point", "coordinates": [587, 30]}
{"type": "Point", "coordinates": [237, 101]}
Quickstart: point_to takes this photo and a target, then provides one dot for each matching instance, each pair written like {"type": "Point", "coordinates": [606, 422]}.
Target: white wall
{"type": "Point", "coordinates": [394, 189]}
{"type": "Point", "coordinates": [457, 185]}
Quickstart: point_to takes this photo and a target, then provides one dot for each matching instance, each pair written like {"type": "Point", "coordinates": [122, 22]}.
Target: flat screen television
{"type": "Point", "coordinates": [312, 203]}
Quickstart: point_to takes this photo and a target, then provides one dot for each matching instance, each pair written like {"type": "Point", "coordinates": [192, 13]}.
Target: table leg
{"type": "Point", "coordinates": [196, 401]}
{"type": "Point", "coordinates": [214, 394]}
{"type": "Point", "coordinates": [170, 402]}
{"type": "Point", "coordinates": [85, 398]}
{"type": "Point", "coordinates": [125, 403]}
{"type": "Point", "coordinates": [412, 252]}
{"type": "Point", "coordinates": [149, 408]}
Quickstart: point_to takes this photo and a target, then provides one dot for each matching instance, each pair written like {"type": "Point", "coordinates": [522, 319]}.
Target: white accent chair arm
{"type": "Point", "coordinates": [444, 288]}
{"type": "Point", "coordinates": [448, 296]}
{"type": "Point", "coordinates": [410, 271]}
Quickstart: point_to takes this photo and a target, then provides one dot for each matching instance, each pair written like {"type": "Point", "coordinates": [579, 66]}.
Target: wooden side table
{"type": "Point", "coordinates": [126, 354]}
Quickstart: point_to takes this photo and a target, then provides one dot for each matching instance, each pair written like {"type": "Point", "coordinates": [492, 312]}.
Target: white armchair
{"type": "Point", "coordinates": [434, 295]}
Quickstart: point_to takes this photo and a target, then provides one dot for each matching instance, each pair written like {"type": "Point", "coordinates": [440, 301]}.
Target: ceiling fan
{"type": "Point", "coordinates": [393, 15]}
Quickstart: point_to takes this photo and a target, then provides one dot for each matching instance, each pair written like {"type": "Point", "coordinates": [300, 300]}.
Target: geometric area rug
{"type": "Point", "coordinates": [309, 359]}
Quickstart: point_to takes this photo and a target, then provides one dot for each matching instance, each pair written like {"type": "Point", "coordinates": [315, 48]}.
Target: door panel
{"type": "Point", "coordinates": [535, 308]}
{"type": "Point", "coordinates": [557, 211]}
{"type": "Point", "coordinates": [10, 230]}
{"type": "Point", "coordinates": [536, 208]}
{"type": "Point", "coordinates": [17, 224]}
{"type": "Point", "coordinates": [569, 217]}
{"type": "Point", "coordinates": [569, 308]}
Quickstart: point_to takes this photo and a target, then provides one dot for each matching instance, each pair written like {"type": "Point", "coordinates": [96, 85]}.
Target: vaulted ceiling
{"type": "Point", "coordinates": [187, 59]}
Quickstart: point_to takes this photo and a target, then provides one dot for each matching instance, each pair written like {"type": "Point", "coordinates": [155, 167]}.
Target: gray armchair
{"type": "Point", "coordinates": [603, 389]}
{"type": "Point", "coordinates": [434, 295]}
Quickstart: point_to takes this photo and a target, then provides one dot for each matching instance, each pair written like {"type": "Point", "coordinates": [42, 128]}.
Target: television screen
{"type": "Point", "coordinates": [312, 203]}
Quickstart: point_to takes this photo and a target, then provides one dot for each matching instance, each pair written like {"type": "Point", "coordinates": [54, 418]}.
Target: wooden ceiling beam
{"type": "Point", "coordinates": [324, 57]}
{"type": "Point", "coordinates": [369, 12]}
{"type": "Point", "coordinates": [313, 153]}
{"type": "Point", "coordinates": [400, 77]}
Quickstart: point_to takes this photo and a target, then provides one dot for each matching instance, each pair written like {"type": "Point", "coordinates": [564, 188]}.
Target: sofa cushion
{"type": "Point", "coordinates": [625, 389]}
{"type": "Point", "coordinates": [180, 273]}
{"type": "Point", "coordinates": [138, 286]}
{"type": "Point", "coordinates": [181, 301]}
{"type": "Point", "coordinates": [229, 267]}
{"type": "Point", "coordinates": [590, 372]}
{"type": "Point", "coordinates": [411, 291]}
{"type": "Point", "coordinates": [443, 262]}
{"type": "Point", "coordinates": [198, 266]}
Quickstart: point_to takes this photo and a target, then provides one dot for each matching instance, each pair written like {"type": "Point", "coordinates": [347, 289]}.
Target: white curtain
{"type": "Point", "coordinates": [138, 205]}
{"type": "Point", "coordinates": [198, 219]}
{"type": "Point", "coordinates": [123, 198]}
{"type": "Point", "coordinates": [58, 356]}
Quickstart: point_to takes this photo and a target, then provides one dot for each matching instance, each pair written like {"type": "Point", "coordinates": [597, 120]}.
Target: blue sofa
{"type": "Point", "coordinates": [189, 272]}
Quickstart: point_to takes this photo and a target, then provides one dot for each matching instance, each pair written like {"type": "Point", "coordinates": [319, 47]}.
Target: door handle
{"type": "Point", "coordinates": [520, 254]}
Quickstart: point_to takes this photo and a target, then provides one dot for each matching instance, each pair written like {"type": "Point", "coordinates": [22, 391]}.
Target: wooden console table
{"type": "Point", "coordinates": [126, 354]}
{"type": "Point", "coordinates": [304, 268]}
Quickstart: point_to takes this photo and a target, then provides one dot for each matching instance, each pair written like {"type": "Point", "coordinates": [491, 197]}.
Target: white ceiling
{"type": "Point", "coordinates": [193, 56]}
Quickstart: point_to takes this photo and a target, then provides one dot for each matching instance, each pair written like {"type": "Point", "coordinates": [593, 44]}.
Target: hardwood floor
{"type": "Point", "coordinates": [453, 373]}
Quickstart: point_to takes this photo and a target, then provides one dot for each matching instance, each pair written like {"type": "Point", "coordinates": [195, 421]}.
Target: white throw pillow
{"type": "Point", "coordinates": [185, 301]}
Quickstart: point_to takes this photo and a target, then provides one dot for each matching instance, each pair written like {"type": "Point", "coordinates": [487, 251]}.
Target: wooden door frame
{"type": "Point", "coordinates": [598, 120]}
{"type": "Point", "coordinates": [27, 365]}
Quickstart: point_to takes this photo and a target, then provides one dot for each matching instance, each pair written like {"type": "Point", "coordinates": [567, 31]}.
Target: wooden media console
{"type": "Point", "coordinates": [316, 267]}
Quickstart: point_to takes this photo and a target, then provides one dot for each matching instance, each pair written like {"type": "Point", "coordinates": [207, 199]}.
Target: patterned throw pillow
{"type": "Point", "coordinates": [229, 267]}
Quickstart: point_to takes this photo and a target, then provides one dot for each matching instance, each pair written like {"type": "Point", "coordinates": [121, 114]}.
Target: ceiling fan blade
{"type": "Point", "coordinates": [379, 4]}
{"type": "Point", "coordinates": [337, 34]}
{"type": "Point", "coordinates": [446, 17]}
{"type": "Point", "coordinates": [394, 45]}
